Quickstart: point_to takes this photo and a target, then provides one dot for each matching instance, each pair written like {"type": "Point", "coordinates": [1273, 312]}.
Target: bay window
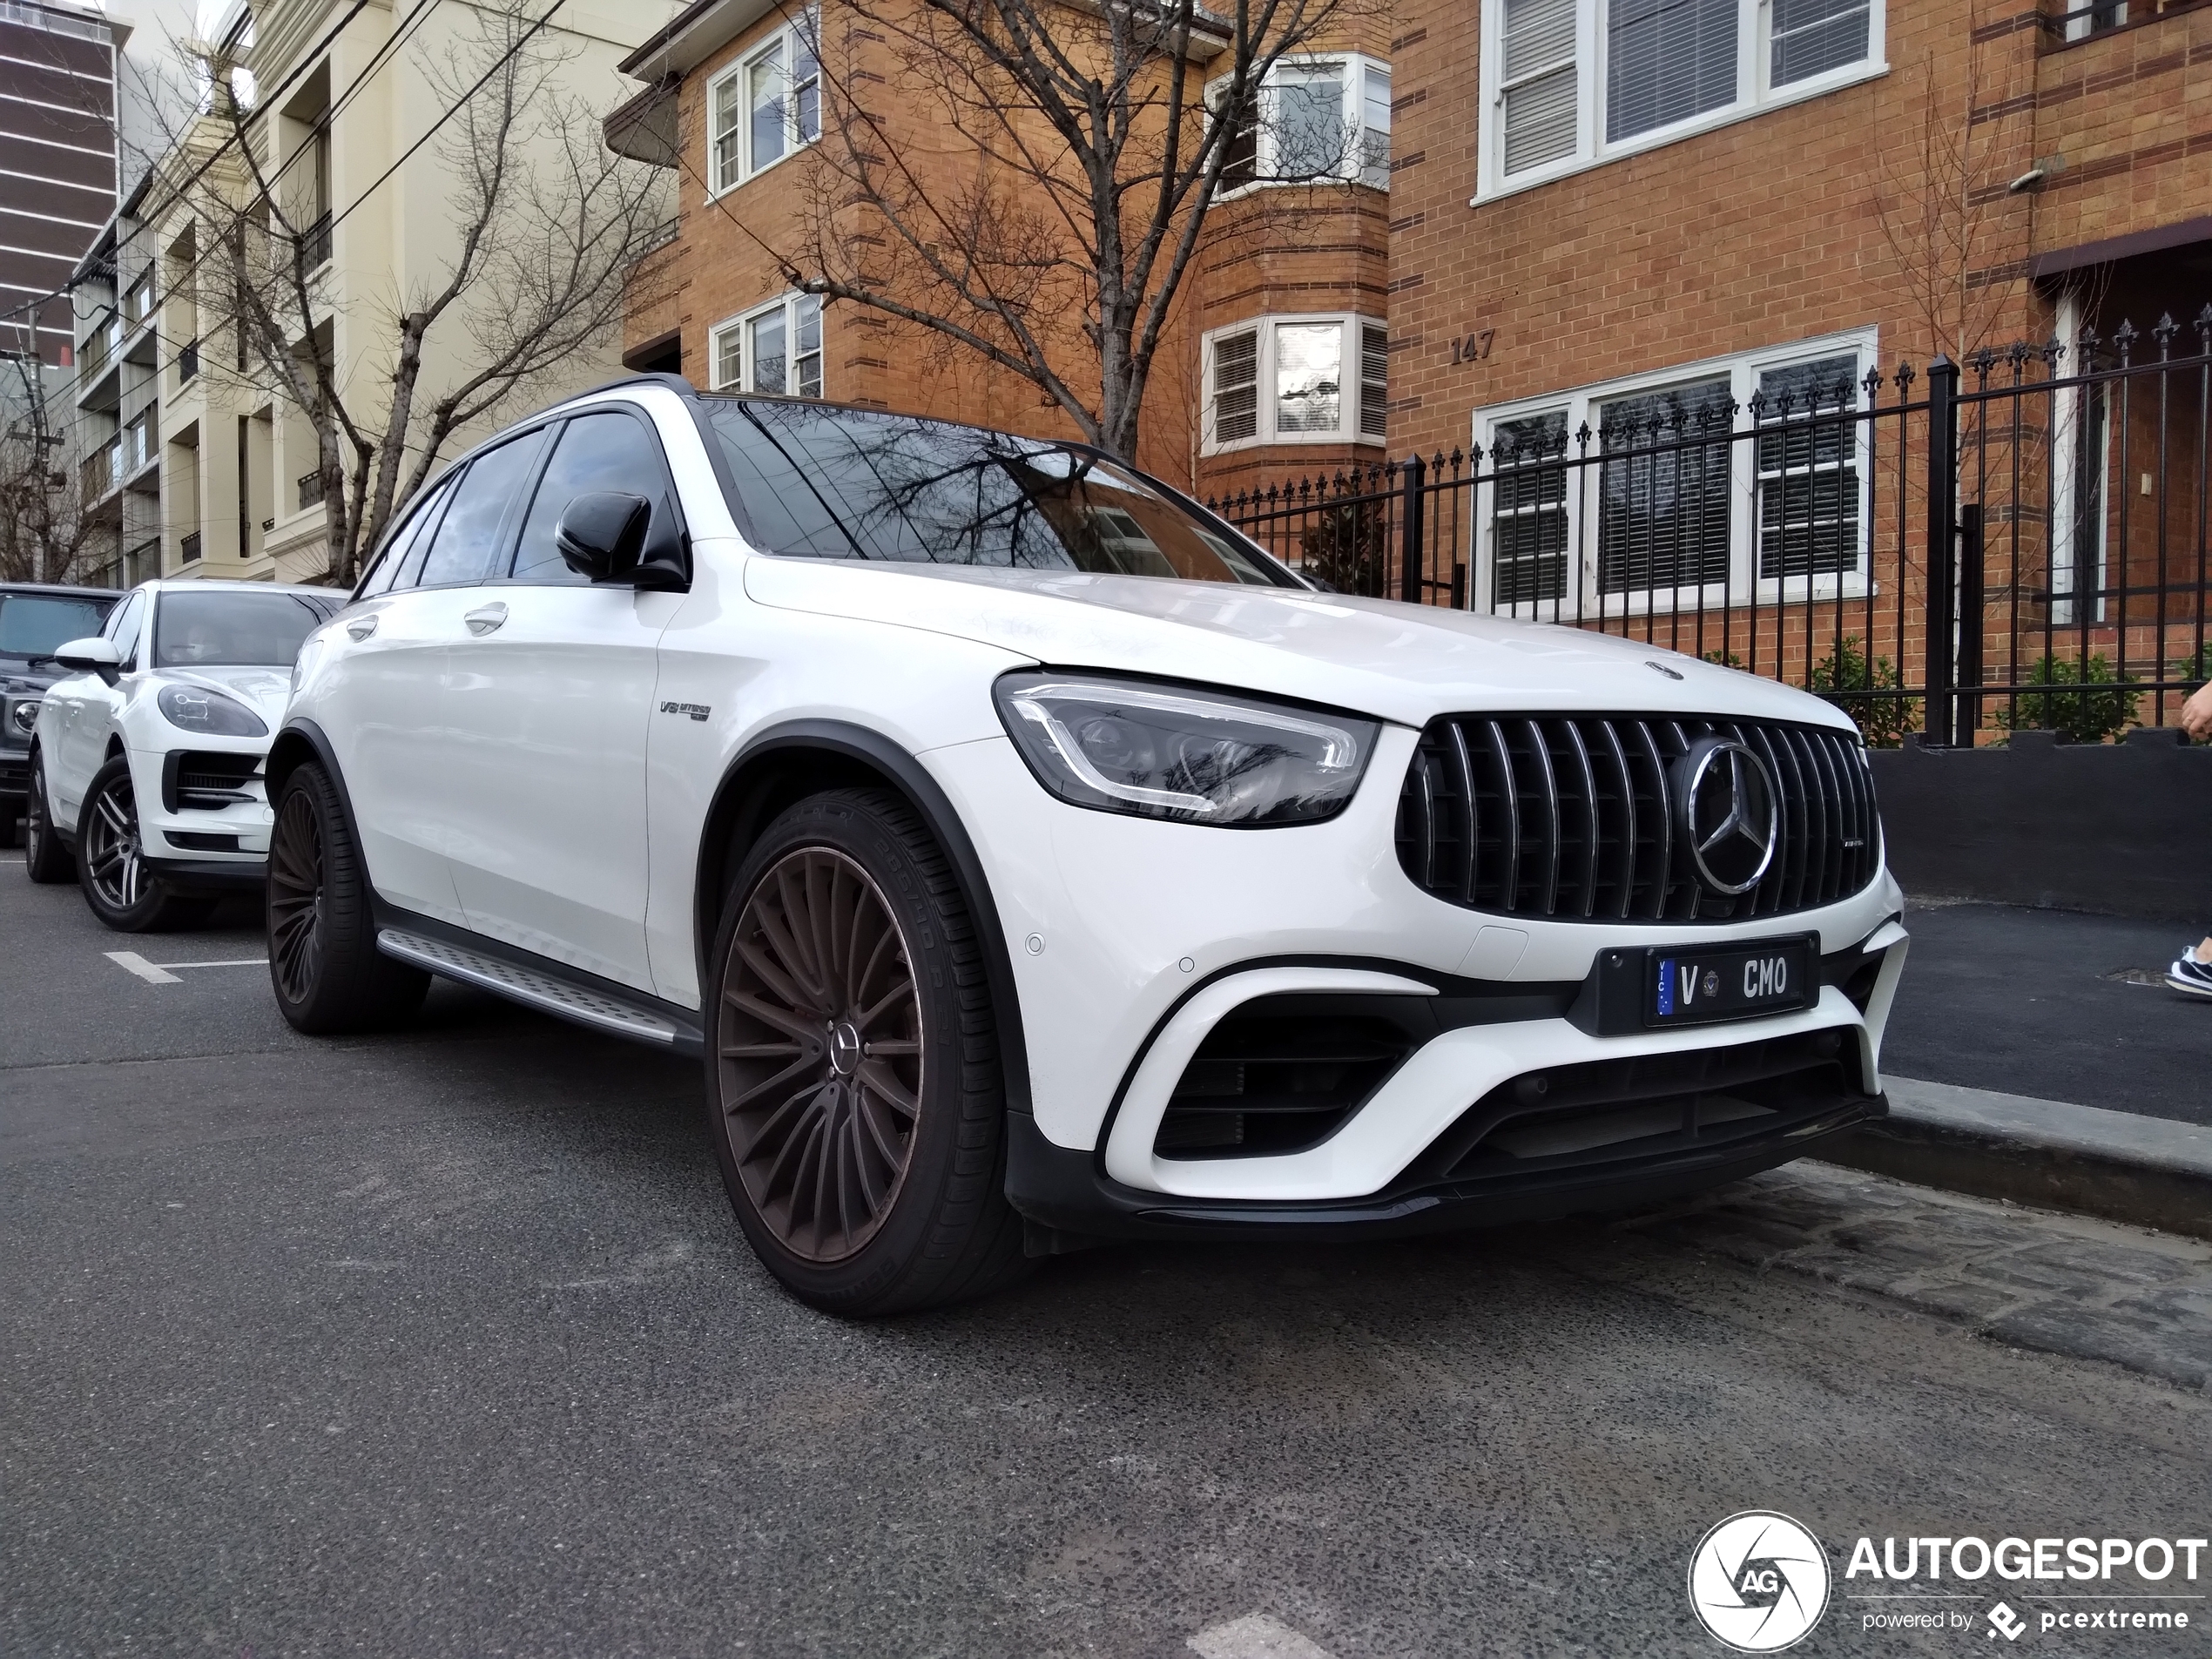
{"type": "Point", "coordinates": [1569, 84]}
{"type": "Point", "coordinates": [767, 107]}
{"type": "Point", "coordinates": [1315, 119]}
{"type": "Point", "coordinates": [1296, 380]}
{"type": "Point", "coordinates": [776, 349]}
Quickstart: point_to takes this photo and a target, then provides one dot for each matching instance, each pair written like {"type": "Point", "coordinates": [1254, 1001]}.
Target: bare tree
{"type": "Point", "coordinates": [45, 534]}
{"type": "Point", "coordinates": [1943, 200]}
{"type": "Point", "coordinates": [548, 224]}
{"type": "Point", "coordinates": [1079, 152]}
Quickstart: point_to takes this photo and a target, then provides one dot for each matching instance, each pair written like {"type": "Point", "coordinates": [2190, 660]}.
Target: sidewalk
{"type": "Point", "coordinates": [2035, 1056]}
{"type": "Point", "coordinates": [2030, 1003]}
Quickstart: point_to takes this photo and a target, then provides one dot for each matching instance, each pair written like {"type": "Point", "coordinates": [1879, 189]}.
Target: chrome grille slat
{"type": "Point", "coordinates": [1573, 817]}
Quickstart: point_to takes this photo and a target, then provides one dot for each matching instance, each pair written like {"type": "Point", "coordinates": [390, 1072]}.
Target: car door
{"type": "Point", "coordinates": [88, 711]}
{"type": "Point", "coordinates": [378, 704]}
{"type": "Point", "coordinates": [548, 702]}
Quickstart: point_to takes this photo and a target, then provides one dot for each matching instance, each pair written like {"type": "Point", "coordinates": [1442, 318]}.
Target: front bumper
{"type": "Point", "coordinates": [1134, 944]}
{"type": "Point", "coordinates": [195, 838]}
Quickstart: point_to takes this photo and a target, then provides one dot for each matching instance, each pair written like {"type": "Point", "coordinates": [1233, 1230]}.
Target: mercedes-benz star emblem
{"type": "Point", "coordinates": [1728, 814]}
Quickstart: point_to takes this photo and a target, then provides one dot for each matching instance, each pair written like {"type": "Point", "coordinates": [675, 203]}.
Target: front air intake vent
{"type": "Point", "coordinates": [1272, 1078]}
{"type": "Point", "coordinates": [1580, 817]}
{"type": "Point", "coordinates": [210, 779]}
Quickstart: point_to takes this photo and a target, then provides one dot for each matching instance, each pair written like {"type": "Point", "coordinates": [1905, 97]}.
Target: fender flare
{"type": "Point", "coordinates": [298, 740]}
{"type": "Point", "coordinates": [851, 742]}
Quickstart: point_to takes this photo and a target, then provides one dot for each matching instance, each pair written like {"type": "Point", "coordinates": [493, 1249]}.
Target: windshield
{"type": "Point", "coordinates": [829, 483]}
{"type": "Point", "coordinates": [32, 624]}
{"type": "Point", "coordinates": [236, 629]}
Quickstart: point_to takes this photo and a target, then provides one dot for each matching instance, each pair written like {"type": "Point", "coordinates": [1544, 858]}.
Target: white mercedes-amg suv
{"type": "Point", "coordinates": [1032, 861]}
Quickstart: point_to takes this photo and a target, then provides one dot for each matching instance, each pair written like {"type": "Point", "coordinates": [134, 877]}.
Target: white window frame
{"type": "Point", "coordinates": [1581, 596]}
{"type": "Point", "coordinates": [730, 86]}
{"type": "Point", "coordinates": [1755, 93]}
{"type": "Point", "coordinates": [1358, 166]}
{"type": "Point", "coordinates": [740, 329]}
{"type": "Point", "coordinates": [1350, 371]}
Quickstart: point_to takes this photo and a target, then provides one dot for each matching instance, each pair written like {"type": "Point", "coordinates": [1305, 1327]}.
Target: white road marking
{"type": "Point", "coordinates": [159, 972]}
{"type": "Point", "coordinates": [1257, 1635]}
{"type": "Point", "coordinates": [131, 962]}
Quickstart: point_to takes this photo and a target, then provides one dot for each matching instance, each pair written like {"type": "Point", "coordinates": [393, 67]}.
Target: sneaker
{"type": "Point", "coordinates": [2189, 975]}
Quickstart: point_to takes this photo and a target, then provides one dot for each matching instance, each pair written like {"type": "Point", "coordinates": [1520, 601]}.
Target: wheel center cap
{"type": "Point", "coordinates": [845, 1048]}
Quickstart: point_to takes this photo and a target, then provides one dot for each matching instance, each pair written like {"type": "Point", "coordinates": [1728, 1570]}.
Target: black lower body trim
{"type": "Point", "coordinates": [1061, 1188]}
{"type": "Point", "coordinates": [204, 872]}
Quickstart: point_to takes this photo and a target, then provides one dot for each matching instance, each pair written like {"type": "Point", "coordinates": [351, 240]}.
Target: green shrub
{"type": "Point", "coordinates": [1847, 678]}
{"type": "Point", "coordinates": [1348, 547]}
{"type": "Point", "coordinates": [2193, 670]}
{"type": "Point", "coordinates": [1724, 659]}
{"type": "Point", "coordinates": [2103, 709]}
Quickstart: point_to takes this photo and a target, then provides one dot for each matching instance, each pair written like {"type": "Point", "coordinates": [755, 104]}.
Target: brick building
{"type": "Point", "coordinates": [1274, 357]}
{"type": "Point", "coordinates": [1618, 212]}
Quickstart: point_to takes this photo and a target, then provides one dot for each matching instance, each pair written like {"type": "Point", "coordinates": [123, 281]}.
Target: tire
{"type": "Point", "coordinates": [111, 864]}
{"type": "Point", "coordinates": [324, 966]}
{"type": "Point", "coordinates": [859, 1114]}
{"type": "Point", "coordinates": [44, 859]}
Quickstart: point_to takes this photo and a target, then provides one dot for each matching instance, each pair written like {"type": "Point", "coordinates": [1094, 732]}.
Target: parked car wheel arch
{"type": "Point", "coordinates": [800, 757]}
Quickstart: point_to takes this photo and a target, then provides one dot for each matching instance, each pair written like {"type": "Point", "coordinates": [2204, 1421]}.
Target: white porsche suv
{"type": "Point", "coordinates": [1033, 861]}
{"type": "Point", "coordinates": [144, 771]}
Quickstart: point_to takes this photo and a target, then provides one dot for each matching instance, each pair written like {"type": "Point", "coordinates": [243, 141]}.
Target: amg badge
{"type": "Point", "coordinates": [697, 710]}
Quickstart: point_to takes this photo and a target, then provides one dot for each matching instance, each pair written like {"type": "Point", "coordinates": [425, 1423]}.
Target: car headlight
{"type": "Point", "coordinates": [24, 717]}
{"type": "Point", "coordinates": [209, 713]}
{"type": "Point", "coordinates": [1194, 757]}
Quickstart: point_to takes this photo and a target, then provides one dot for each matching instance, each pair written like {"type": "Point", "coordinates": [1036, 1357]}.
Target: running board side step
{"type": "Point", "coordinates": [535, 987]}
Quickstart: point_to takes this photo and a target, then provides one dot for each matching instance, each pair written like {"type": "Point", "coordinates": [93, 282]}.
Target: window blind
{"type": "Point", "coordinates": [1667, 60]}
{"type": "Point", "coordinates": [1529, 511]}
{"type": "Point", "coordinates": [1663, 507]}
{"type": "Point", "coordinates": [1812, 37]}
{"type": "Point", "coordinates": [1808, 491]}
{"type": "Point", "coordinates": [1236, 387]}
{"type": "Point", "coordinates": [1537, 84]}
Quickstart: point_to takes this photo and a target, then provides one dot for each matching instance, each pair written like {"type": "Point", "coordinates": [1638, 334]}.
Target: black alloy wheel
{"type": "Point", "coordinates": [46, 860]}
{"type": "Point", "coordinates": [295, 898]}
{"type": "Point", "coordinates": [324, 965]}
{"type": "Point", "coordinates": [111, 867]}
{"type": "Point", "coordinates": [854, 1086]}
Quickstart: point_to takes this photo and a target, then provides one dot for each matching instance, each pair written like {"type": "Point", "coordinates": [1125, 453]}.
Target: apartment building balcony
{"type": "Point", "coordinates": [99, 366]}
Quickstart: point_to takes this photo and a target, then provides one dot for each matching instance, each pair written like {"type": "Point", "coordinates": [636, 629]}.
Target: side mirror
{"type": "Point", "coordinates": [602, 534]}
{"type": "Point", "coordinates": [92, 655]}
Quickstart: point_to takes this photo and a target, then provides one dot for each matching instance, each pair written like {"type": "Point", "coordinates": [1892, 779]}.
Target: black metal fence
{"type": "Point", "coordinates": [2062, 489]}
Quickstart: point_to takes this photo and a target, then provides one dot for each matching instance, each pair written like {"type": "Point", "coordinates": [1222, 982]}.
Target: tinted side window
{"type": "Point", "coordinates": [390, 570]}
{"type": "Point", "coordinates": [607, 450]}
{"type": "Point", "coordinates": [125, 632]}
{"type": "Point", "coordinates": [467, 542]}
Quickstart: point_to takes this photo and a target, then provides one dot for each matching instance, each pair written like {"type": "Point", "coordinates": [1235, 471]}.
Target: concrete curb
{"type": "Point", "coordinates": [2147, 1171]}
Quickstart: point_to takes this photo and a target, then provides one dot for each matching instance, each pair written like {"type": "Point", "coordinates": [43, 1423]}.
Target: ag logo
{"type": "Point", "coordinates": [1758, 1582]}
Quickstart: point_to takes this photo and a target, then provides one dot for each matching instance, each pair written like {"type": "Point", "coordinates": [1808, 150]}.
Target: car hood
{"type": "Point", "coordinates": [267, 691]}
{"type": "Point", "coordinates": [1403, 663]}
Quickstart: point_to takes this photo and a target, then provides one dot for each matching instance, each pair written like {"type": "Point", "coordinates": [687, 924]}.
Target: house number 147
{"type": "Point", "coordinates": [1473, 349]}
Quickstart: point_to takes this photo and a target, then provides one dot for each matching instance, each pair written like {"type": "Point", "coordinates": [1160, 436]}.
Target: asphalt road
{"type": "Point", "coordinates": [445, 1343]}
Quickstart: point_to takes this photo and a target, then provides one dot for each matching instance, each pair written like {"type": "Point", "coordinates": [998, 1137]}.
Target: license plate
{"type": "Point", "coordinates": [1689, 985]}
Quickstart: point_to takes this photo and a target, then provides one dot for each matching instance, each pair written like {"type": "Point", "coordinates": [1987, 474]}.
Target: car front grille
{"type": "Point", "coordinates": [1574, 819]}
{"type": "Point", "coordinates": [1592, 1114]}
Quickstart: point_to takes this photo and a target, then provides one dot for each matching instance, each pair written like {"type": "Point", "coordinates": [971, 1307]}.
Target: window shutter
{"type": "Point", "coordinates": [1667, 60]}
{"type": "Point", "coordinates": [1538, 83]}
{"type": "Point", "coordinates": [1236, 387]}
{"type": "Point", "coordinates": [1374, 380]}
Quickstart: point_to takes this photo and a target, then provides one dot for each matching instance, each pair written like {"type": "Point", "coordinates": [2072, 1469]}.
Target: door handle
{"type": "Point", "coordinates": [361, 627]}
{"type": "Point", "coordinates": [484, 618]}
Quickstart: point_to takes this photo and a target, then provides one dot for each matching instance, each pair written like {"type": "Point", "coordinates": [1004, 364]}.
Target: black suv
{"type": "Point", "coordinates": [35, 619]}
